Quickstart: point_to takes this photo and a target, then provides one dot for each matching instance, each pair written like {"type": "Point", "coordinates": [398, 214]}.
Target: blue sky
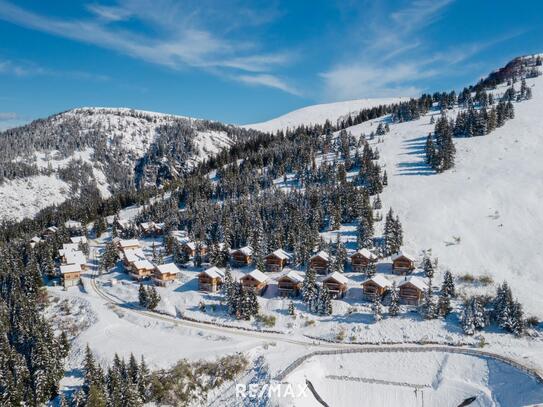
{"type": "Point", "coordinates": [246, 61]}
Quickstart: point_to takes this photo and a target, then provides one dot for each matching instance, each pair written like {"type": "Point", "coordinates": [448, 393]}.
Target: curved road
{"type": "Point", "coordinates": [331, 346]}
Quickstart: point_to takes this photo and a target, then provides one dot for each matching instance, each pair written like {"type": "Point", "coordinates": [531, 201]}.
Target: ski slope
{"type": "Point", "coordinates": [484, 216]}
{"type": "Point", "coordinates": [318, 114]}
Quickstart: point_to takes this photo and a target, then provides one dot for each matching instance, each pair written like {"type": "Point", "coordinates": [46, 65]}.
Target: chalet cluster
{"type": "Point", "coordinates": [73, 261]}
{"type": "Point", "coordinates": [139, 267]}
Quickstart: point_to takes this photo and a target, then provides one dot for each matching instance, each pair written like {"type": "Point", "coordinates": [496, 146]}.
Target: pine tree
{"type": "Point", "coordinates": [394, 308]}
{"type": "Point", "coordinates": [377, 309]}
{"type": "Point", "coordinates": [143, 297]}
{"type": "Point", "coordinates": [309, 289]}
{"type": "Point", "coordinates": [444, 307]}
{"type": "Point", "coordinates": [153, 298]}
{"type": "Point", "coordinates": [467, 320]}
{"type": "Point", "coordinates": [428, 267]}
{"type": "Point", "coordinates": [448, 287]}
{"type": "Point", "coordinates": [429, 306]}
{"type": "Point", "coordinates": [291, 309]}
{"type": "Point", "coordinates": [364, 234]}
{"type": "Point", "coordinates": [324, 301]}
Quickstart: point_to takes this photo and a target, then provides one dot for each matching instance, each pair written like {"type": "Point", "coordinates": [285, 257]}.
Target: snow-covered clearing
{"type": "Point", "coordinates": [413, 379]}
{"type": "Point", "coordinates": [25, 197]}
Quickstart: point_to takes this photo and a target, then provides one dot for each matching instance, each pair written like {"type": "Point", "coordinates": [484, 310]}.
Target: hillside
{"type": "Point", "coordinates": [100, 150]}
{"type": "Point", "coordinates": [319, 114]}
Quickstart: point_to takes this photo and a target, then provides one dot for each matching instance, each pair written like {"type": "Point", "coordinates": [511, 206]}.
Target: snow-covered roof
{"type": "Point", "coordinates": [169, 268]}
{"type": "Point", "coordinates": [403, 254]}
{"type": "Point", "coordinates": [52, 229]}
{"type": "Point", "coordinates": [70, 268]}
{"type": "Point", "coordinates": [340, 278]}
{"type": "Point", "coordinates": [258, 276]}
{"type": "Point", "coordinates": [293, 275]}
{"type": "Point", "coordinates": [79, 239]}
{"type": "Point", "coordinates": [35, 239]}
{"type": "Point", "coordinates": [129, 242]}
{"type": "Point", "coordinates": [365, 253]}
{"type": "Point", "coordinates": [134, 255]}
{"type": "Point", "coordinates": [123, 223]}
{"type": "Point", "coordinates": [67, 247]}
{"type": "Point", "coordinates": [144, 264]}
{"type": "Point", "coordinates": [214, 272]}
{"type": "Point", "coordinates": [72, 224]}
{"type": "Point", "coordinates": [416, 281]}
{"type": "Point", "coordinates": [323, 255]}
{"type": "Point", "coordinates": [193, 245]}
{"type": "Point", "coordinates": [246, 250]}
{"type": "Point", "coordinates": [74, 257]}
{"type": "Point", "coordinates": [281, 254]}
{"type": "Point", "coordinates": [379, 280]}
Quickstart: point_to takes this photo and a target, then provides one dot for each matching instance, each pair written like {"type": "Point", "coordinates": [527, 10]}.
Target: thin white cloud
{"type": "Point", "coordinates": [5, 116]}
{"type": "Point", "coordinates": [269, 81]}
{"type": "Point", "coordinates": [178, 39]}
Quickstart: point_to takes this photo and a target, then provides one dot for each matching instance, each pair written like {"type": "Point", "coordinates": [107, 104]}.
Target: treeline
{"type": "Point", "coordinates": [129, 383]}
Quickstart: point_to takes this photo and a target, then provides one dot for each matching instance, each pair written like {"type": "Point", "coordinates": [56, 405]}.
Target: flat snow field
{"type": "Point", "coordinates": [413, 380]}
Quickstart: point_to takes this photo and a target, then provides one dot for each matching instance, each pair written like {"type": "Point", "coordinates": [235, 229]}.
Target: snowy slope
{"type": "Point", "coordinates": [318, 114]}
{"type": "Point", "coordinates": [491, 200]}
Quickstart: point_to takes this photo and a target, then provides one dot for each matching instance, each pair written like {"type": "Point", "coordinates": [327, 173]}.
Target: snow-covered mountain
{"type": "Point", "coordinates": [319, 114]}
{"type": "Point", "coordinates": [47, 161]}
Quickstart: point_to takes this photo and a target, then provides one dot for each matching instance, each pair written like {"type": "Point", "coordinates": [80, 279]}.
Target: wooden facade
{"type": "Point", "coordinates": [142, 269]}
{"type": "Point", "coordinates": [290, 285]}
{"type": "Point", "coordinates": [412, 291]}
{"type": "Point", "coordinates": [189, 248]}
{"type": "Point", "coordinates": [375, 287]}
{"type": "Point", "coordinates": [165, 274]}
{"type": "Point", "coordinates": [210, 280]}
{"type": "Point", "coordinates": [320, 262]}
{"type": "Point", "coordinates": [277, 260]}
{"type": "Point", "coordinates": [241, 257]}
{"type": "Point", "coordinates": [336, 284]}
{"type": "Point", "coordinates": [403, 263]}
{"type": "Point", "coordinates": [361, 259]}
{"type": "Point", "coordinates": [70, 275]}
{"type": "Point", "coordinates": [255, 281]}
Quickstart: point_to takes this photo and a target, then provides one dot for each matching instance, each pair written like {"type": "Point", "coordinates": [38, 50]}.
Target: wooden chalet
{"type": "Point", "coordinates": [361, 259]}
{"type": "Point", "coordinates": [132, 255]}
{"type": "Point", "coordinates": [277, 260]}
{"type": "Point", "coordinates": [34, 241]}
{"type": "Point", "coordinates": [151, 228]}
{"type": "Point", "coordinates": [412, 290]}
{"type": "Point", "coordinates": [73, 225]}
{"type": "Point", "coordinates": [210, 280]}
{"type": "Point", "coordinates": [50, 231]}
{"type": "Point", "coordinates": [70, 274]}
{"type": "Point", "coordinates": [376, 286]}
{"type": "Point", "coordinates": [255, 281]}
{"type": "Point", "coordinates": [79, 240]}
{"type": "Point", "coordinates": [403, 263]}
{"type": "Point", "coordinates": [141, 269]}
{"type": "Point", "coordinates": [165, 274]}
{"type": "Point", "coordinates": [290, 284]}
{"type": "Point", "coordinates": [336, 284]}
{"type": "Point", "coordinates": [122, 224]}
{"type": "Point", "coordinates": [242, 256]}
{"type": "Point", "coordinates": [320, 262]}
{"type": "Point", "coordinates": [190, 248]}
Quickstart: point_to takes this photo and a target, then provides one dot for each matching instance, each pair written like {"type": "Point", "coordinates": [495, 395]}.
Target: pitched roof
{"type": "Point", "coordinates": [365, 253]}
{"type": "Point", "coordinates": [379, 280]}
{"type": "Point", "coordinates": [75, 257]}
{"type": "Point", "coordinates": [70, 247]}
{"type": "Point", "coordinates": [257, 275]}
{"type": "Point", "coordinates": [246, 250]}
{"type": "Point", "coordinates": [214, 272]}
{"type": "Point", "coordinates": [133, 255]}
{"type": "Point", "coordinates": [340, 278]}
{"type": "Point", "coordinates": [79, 239]}
{"type": "Point", "coordinates": [416, 281]}
{"type": "Point", "coordinates": [144, 264]}
{"type": "Point", "coordinates": [168, 268]}
{"type": "Point", "coordinates": [322, 254]}
{"type": "Point", "coordinates": [403, 254]}
{"type": "Point", "coordinates": [281, 254]}
{"type": "Point", "coordinates": [129, 242]}
{"type": "Point", "coordinates": [293, 275]}
{"type": "Point", "coordinates": [70, 268]}
{"type": "Point", "coordinates": [72, 224]}
{"type": "Point", "coordinates": [35, 239]}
